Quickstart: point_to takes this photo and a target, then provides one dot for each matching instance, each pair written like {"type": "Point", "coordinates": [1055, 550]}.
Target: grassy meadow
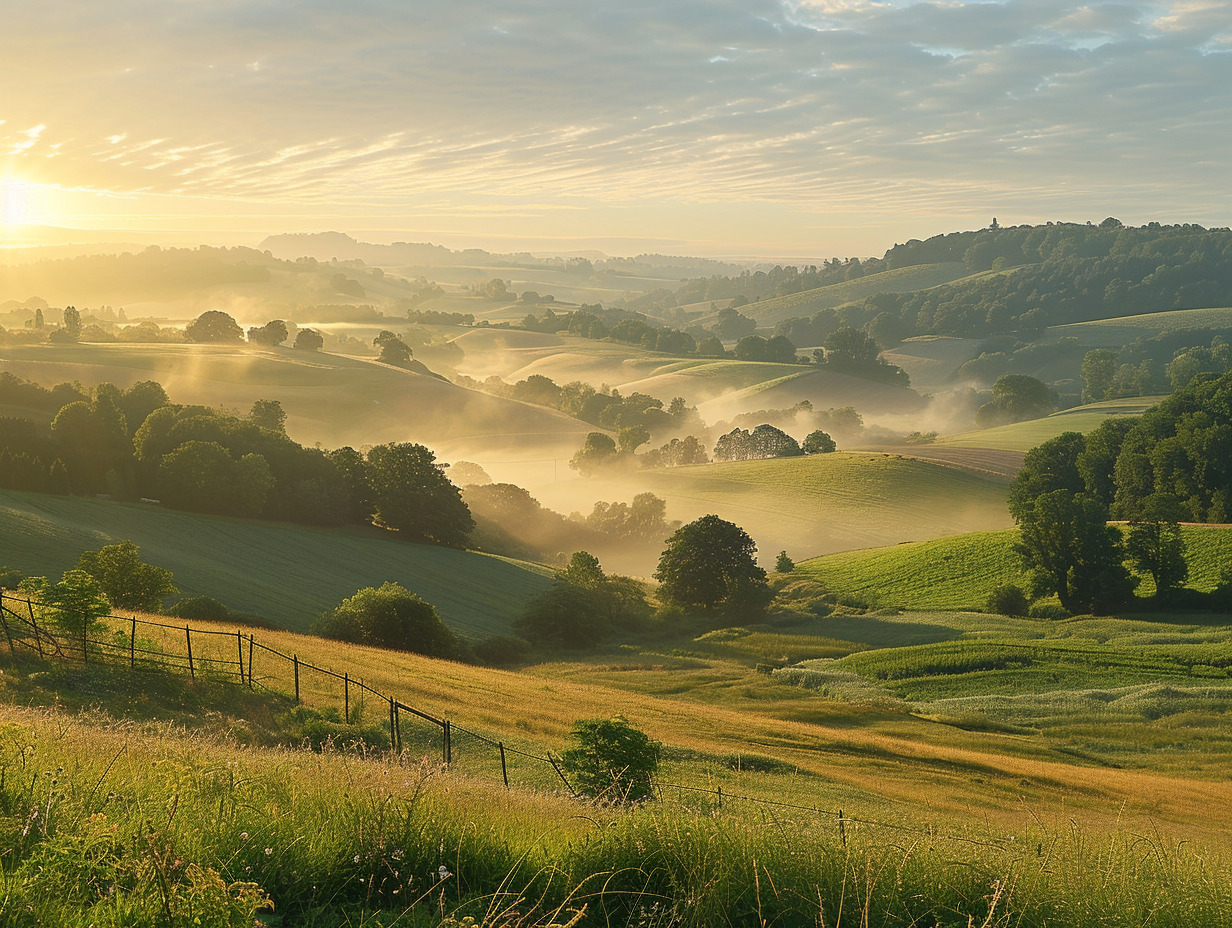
{"type": "Point", "coordinates": [1116, 331]}
{"type": "Point", "coordinates": [330, 399]}
{"type": "Point", "coordinates": [288, 574]}
{"type": "Point", "coordinates": [1023, 436]}
{"type": "Point", "coordinates": [816, 504]}
{"type": "Point", "coordinates": [959, 572]}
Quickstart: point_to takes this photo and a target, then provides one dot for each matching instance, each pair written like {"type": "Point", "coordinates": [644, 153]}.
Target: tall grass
{"type": "Point", "coordinates": [109, 824]}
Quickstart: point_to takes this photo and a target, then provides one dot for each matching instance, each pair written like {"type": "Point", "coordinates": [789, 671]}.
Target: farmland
{"type": "Point", "coordinates": [287, 574]}
{"type": "Point", "coordinates": [1023, 436]}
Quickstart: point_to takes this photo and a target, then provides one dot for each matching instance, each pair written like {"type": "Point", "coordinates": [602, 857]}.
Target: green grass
{"type": "Point", "coordinates": [820, 503]}
{"type": "Point", "coordinates": [960, 572]}
{"type": "Point", "coordinates": [1214, 318]}
{"type": "Point", "coordinates": [328, 398]}
{"type": "Point", "coordinates": [1023, 436]}
{"type": "Point", "coordinates": [900, 280]}
{"type": "Point", "coordinates": [288, 574]}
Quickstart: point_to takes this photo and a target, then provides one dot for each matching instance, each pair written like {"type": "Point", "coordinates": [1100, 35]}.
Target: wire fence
{"type": "Point", "coordinates": [34, 630]}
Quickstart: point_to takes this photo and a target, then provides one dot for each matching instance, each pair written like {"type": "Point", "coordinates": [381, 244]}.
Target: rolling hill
{"type": "Point", "coordinates": [812, 505]}
{"type": "Point", "coordinates": [330, 399]}
{"type": "Point", "coordinates": [1023, 436]}
{"type": "Point", "coordinates": [288, 574]}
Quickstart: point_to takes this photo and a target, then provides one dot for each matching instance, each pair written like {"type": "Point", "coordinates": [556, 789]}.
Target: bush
{"type": "Point", "coordinates": [390, 617]}
{"type": "Point", "coordinates": [1053, 612]}
{"type": "Point", "coordinates": [208, 609]}
{"type": "Point", "coordinates": [127, 581]}
{"type": "Point", "coordinates": [1008, 599]}
{"type": "Point", "coordinates": [612, 760]}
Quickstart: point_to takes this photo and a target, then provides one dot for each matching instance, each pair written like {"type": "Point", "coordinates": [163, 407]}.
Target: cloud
{"type": "Point", "coordinates": [821, 104]}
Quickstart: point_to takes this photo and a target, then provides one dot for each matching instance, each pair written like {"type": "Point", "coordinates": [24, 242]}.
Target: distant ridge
{"type": "Point", "coordinates": [325, 246]}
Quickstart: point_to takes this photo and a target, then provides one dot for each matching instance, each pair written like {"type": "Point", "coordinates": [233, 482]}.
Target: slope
{"type": "Point", "coordinates": [288, 574]}
{"type": "Point", "coordinates": [1023, 436]}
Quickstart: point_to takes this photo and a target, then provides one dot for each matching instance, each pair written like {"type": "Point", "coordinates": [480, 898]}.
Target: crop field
{"type": "Point", "coordinates": [287, 574]}
{"type": "Point", "coordinates": [1023, 436]}
{"type": "Point", "coordinates": [330, 399]}
{"type": "Point", "coordinates": [960, 572]}
{"type": "Point", "coordinates": [900, 280]}
{"type": "Point", "coordinates": [820, 503]}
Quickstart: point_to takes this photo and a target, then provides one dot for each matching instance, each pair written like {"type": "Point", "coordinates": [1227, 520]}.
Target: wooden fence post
{"type": "Point", "coordinates": [393, 727]}
{"type": "Point", "coordinates": [448, 742]}
{"type": "Point", "coordinates": [719, 793]}
{"type": "Point", "coordinates": [398, 725]}
{"type": "Point", "coordinates": [192, 671]}
{"type": "Point", "coordinates": [12, 649]}
{"type": "Point", "coordinates": [250, 661]}
{"type": "Point", "coordinates": [842, 830]}
{"type": "Point", "coordinates": [560, 773]}
{"type": "Point", "coordinates": [85, 628]}
{"type": "Point", "coordinates": [295, 660]}
{"type": "Point", "coordinates": [239, 644]}
{"type": "Point", "coordinates": [38, 639]}
{"type": "Point", "coordinates": [346, 696]}
{"type": "Point", "coordinates": [504, 772]}
{"type": "Point", "coordinates": [132, 646]}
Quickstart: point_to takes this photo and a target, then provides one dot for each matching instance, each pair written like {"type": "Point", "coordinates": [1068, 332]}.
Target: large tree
{"type": "Point", "coordinates": [410, 493]}
{"type": "Point", "coordinates": [1155, 545]}
{"type": "Point", "coordinates": [1016, 397]}
{"type": "Point", "coordinates": [1052, 465]}
{"type": "Point", "coordinates": [1073, 551]}
{"type": "Point", "coordinates": [710, 564]}
{"type": "Point", "coordinates": [214, 326]}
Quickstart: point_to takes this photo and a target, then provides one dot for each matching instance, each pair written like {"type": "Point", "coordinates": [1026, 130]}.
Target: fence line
{"type": "Point", "coordinates": [27, 630]}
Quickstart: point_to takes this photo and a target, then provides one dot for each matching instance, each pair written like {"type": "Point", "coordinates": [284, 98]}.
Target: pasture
{"type": "Point", "coordinates": [287, 574]}
{"type": "Point", "coordinates": [1023, 436]}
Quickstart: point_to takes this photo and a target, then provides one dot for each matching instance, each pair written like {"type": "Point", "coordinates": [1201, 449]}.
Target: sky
{"type": "Point", "coordinates": [721, 127]}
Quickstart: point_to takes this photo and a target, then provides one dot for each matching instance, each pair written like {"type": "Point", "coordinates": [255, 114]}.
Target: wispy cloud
{"type": "Point", "coordinates": [819, 104]}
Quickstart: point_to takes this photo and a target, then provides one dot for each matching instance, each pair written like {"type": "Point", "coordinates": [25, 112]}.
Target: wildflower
{"type": "Point", "coordinates": [268, 851]}
{"type": "Point", "coordinates": [243, 836]}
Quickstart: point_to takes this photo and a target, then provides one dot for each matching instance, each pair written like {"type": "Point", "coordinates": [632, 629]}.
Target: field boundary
{"type": "Point", "coordinates": [48, 634]}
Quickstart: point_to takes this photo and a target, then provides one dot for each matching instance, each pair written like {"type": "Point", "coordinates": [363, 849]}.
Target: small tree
{"type": "Point", "coordinates": [214, 326]}
{"type": "Point", "coordinates": [818, 442]}
{"type": "Point", "coordinates": [1008, 599]}
{"type": "Point", "coordinates": [309, 340]}
{"type": "Point", "coordinates": [390, 616]}
{"type": "Point", "coordinates": [125, 580]}
{"type": "Point", "coordinates": [1155, 545]}
{"type": "Point", "coordinates": [269, 414]}
{"type": "Point", "coordinates": [783, 564]}
{"type": "Point", "coordinates": [612, 760]}
{"type": "Point", "coordinates": [74, 603]}
{"type": "Point", "coordinates": [393, 349]}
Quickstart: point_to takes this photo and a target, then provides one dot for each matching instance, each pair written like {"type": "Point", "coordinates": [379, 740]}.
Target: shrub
{"type": "Point", "coordinates": [612, 760]}
{"type": "Point", "coordinates": [390, 616]}
{"type": "Point", "coordinates": [125, 579]}
{"type": "Point", "coordinates": [1008, 599]}
{"type": "Point", "coordinates": [1053, 612]}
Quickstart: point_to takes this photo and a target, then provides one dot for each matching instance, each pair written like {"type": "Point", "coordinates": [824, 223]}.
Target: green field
{"type": "Point", "coordinates": [959, 573]}
{"type": "Point", "coordinates": [816, 504]}
{"type": "Point", "coordinates": [900, 280]}
{"type": "Point", "coordinates": [1023, 436]}
{"type": "Point", "coordinates": [288, 574]}
{"type": "Point", "coordinates": [329, 399]}
{"type": "Point", "coordinates": [1120, 329]}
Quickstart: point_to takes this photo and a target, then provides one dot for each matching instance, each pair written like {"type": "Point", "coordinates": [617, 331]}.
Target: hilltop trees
{"type": "Point", "coordinates": [393, 349]}
{"type": "Point", "coordinates": [1016, 397]}
{"type": "Point", "coordinates": [583, 606]}
{"type": "Point", "coordinates": [709, 564]}
{"type": "Point", "coordinates": [410, 493]}
{"type": "Point", "coordinates": [270, 335]}
{"type": "Point", "coordinates": [214, 326]}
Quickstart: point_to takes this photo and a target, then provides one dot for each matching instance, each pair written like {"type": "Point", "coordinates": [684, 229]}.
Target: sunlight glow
{"type": "Point", "coordinates": [15, 202]}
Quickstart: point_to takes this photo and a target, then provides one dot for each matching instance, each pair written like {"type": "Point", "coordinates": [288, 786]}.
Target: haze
{"type": "Point", "coordinates": [775, 129]}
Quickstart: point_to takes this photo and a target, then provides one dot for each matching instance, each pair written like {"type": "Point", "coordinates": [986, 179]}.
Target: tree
{"type": "Point", "coordinates": [612, 760]}
{"type": "Point", "coordinates": [733, 325]}
{"type": "Point", "coordinates": [202, 476]}
{"type": "Point", "coordinates": [308, 340]}
{"type": "Point", "coordinates": [583, 606]}
{"type": "Point", "coordinates": [818, 442]}
{"type": "Point", "coordinates": [214, 326]}
{"type": "Point", "coordinates": [411, 494]}
{"type": "Point", "coordinates": [1073, 552]}
{"type": "Point", "coordinates": [770, 442]}
{"type": "Point", "coordinates": [125, 580]}
{"type": "Point", "coordinates": [710, 564]}
{"type": "Point", "coordinates": [1016, 397]}
{"type": "Point", "coordinates": [75, 603]}
{"type": "Point", "coordinates": [393, 349]}
{"type": "Point", "coordinates": [598, 450]}
{"type": "Point", "coordinates": [72, 322]}
{"type": "Point", "coordinates": [783, 564]}
{"type": "Point", "coordinates": [1007, 599]}
{"type": "Point", "coordinates": [1099, 366]}
{"type": "Point", "coordinates": [389, 616]}
{"type": "Point", "coordinates": [269, 414]}
{"type": "Point", "coordinates": [711, 347]}
{"type": "Point", "coordinates": [271, 335]}
{"type": "Point", "coordinates": [1052, 465]}
{"type": "Point", "coordinates": [1155, 545]}
{"type": "Point", "coordinates": [850, 347]}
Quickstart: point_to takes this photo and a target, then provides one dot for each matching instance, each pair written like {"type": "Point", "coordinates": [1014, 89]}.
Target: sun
{"type": "Point", "coordinates": [15, 202]}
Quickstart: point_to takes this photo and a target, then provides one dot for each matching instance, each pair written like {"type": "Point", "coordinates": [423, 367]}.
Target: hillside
{"type": "Point", "coordinates": [288, 574]}
{"type": "Point", "coordinates": [1117, 330]}
{"type": "Point", "coordinates": [816, 504]}
{"type": "Point", "coordinates": [1023, 436]}
{"type": "Point", "coordinates": [959, 572]}
{"type": "Point", "coordinates": [331, 399]}
{"type": "Point", "coordinates": [769, 312]}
